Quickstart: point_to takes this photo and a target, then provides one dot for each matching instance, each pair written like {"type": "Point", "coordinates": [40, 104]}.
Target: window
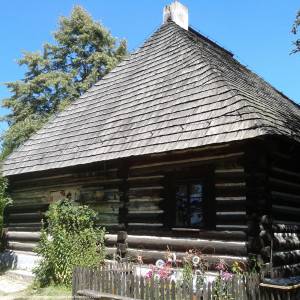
{"type": "Point", "coordinates": [189, 204]}
{"type": "Point", "coordinates": [190, 199]}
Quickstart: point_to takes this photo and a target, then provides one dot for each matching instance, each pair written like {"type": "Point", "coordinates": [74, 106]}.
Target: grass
{"type": "Point", "coordinates": [50, 292]}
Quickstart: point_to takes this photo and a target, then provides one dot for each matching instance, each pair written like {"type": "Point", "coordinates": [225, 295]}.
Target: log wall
{"type": "Point", "coordinates": [284, 185]}
{"type": "Point", "coordinates": [31, 198]}
{"type": "Point", "coordinates": [136, 195]}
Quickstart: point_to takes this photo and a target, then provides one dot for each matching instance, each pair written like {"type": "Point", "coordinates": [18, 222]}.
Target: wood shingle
{"type": "Point", "coordinates": [178, 91]}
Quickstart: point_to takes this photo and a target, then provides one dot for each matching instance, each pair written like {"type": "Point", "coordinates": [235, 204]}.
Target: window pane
{"type": "Point", "coordinates": [196, 199]}
{"type": "Point", "coordinates": [182, 214]}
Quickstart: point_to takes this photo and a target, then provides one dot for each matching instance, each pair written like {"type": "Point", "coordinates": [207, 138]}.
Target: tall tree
{"type": "Point", "coordinates": [295, 30]}
{"type": "Point", "coordinates": [83, 52]}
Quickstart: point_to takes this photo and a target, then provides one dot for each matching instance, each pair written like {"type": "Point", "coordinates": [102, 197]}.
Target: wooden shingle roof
{"type": "Point", "coordinates": [178, 91]}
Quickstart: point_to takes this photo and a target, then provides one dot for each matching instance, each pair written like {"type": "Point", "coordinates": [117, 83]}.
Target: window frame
{"type": "Point", "coordinates": [188, 183]}
{"type": "Point", "coordinates": [192, 175]}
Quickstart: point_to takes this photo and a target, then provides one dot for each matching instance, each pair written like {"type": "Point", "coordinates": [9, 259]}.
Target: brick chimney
{"type": "Point", "coordinates": [177, 13]}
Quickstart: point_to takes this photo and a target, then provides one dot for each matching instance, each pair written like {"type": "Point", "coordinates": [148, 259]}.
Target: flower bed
{"type": "Point", "coordinates": [192, 269]}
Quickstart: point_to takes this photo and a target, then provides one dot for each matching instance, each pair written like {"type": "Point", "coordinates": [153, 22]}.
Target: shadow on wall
{"type": "Point", "coordinates": [8, 260]}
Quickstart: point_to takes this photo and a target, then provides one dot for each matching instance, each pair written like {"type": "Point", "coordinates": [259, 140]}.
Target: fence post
{"type": "Point", "coordinates": [74, 283]}
{"type": "Point", "coordinates": [122, 243]}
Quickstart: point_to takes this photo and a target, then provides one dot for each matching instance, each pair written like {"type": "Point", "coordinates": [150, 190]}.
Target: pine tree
{"type": "Point", "coordinates": [295, 31]}
{"type": "Point", "coordinates": [83, 52]}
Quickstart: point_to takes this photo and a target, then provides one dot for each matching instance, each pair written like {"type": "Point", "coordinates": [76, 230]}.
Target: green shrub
{"type": "Point", "coordinates": [4, 201]}
{"type": "Point", "coordinates": [70, 239]}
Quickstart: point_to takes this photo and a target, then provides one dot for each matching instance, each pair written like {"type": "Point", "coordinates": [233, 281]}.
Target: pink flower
{"type": "Point", "coordinates": [226, 275]}
{"type": "Point", "coordinates": [164, 273]}
{"type": "Point", "coordinates": [221, 266]}
{"type": "Point", "coordinates": [149, 274]}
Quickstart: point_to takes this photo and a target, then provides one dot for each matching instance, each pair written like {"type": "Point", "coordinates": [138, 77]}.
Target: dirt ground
{"type": "Point", "coordinates": [12, 289]}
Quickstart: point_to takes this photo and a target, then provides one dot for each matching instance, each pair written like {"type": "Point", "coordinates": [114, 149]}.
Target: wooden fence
{"type": "Point", "coordinates": [124, 282]}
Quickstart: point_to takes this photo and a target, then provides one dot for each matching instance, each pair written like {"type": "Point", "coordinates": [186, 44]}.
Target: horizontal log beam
{"type": "Point", "coordinates": [29, 224]}
{"type": "Point", "coordinates": [231, 214]}
{"type": "Point", "coordinates": [21, 246]}
{"type": "Point", "coordinates": [191, 160]}
{"type": "Point", "coordinates": [286, 241]}
{"type": "Point", "coordinates": [292, 224]}
{"type": "Point", "coordinates": [184, 244]}
{"type": "Point", "coordinates": [26, 228]}
{"type": "Point", "coordinates": [231, 199]}
{"type": "Point", "coordinates": [146, 199]}
{"type": "Point", "coordinates": [110, 239]}
{"type": "Point", "coordinates": [111, 251]}
{"type": "Point", "coordinates": [226, 235]}
{"type": "Point", "coordinates": [230, 185]}
{"type": "Point", "coordinates": [282, 227]}
{"type": "Point", "coordinates": [23, 236]}
{"type": "Point", "coordinates": [231, 217]}
{"type": "Point", "coordinates": [286, 270]}
{"type": "Point", "coordinates": [286, 209]}
{"type": "Point", "coordinates": [229, 171]}
{"type": "Point", "coordinates": [150, 177]}
{"type": "Point", "coordinates": [67, 175]}
{"type": "Point", "coordinates": [150, 256]}
{"type": "Point", "coordinates": [289, 197]}
{"type": "Point", "coordinates": [66, 184]}
{"type": "Point", "coordinates": [286, 172]}
{"type": "Point", "coordinates": [26, 216]}
{"type": "Point", "coordinates": [232, 227]}
{"type": "Point", "coordinates": [284, 183]}
{"type": "Point", "coordinates": [145, 225]}
{"type": "Point", "coordinates": [286, 258]}
{"type": "Point", "coordinates": [217, 235]}
{"type": "Point", "coordinates": [146, 188]}
{"type": "Point", "coordinates": [20, 208]}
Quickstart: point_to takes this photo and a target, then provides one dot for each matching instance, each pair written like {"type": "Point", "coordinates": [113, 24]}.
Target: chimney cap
{"type": "Point", "coordinates": [177, 13]}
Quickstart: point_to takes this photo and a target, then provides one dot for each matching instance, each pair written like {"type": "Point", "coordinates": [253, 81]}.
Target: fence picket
{"type": "Point", "coordinates": [132, 285]}
{"type": "Point", "coordinates": [122, 279]}
{"type": "Point", "coordinates": [162, 289]}
{"type": "Point", "coordinates": [236, 288]}
{"type": "Point", "coordinates": [199, 289]}
{"type": "Point", "coordinates": [136, 287]}
{"type": "Point", "coordinates": [123, 283]}
{"type": "Point", "coordinates": [127, 284]}
{"type": "Point", "coordinates": [210, 288]}
{"type": "Point", "coordinates": [110, 274]}
{"type": "Point", "coordinates": [156, 289]}
{"type": "Point", "coordinates": [152, 288]}
{"type": "Point", "coordinates": [173, 291]}
{"type": "Point", "coordinates": [119, 283]}
{"type": "Point", "coordinates": [147, 284]}
{"type": "Point", "coordinates": [180, 291]}
{"type": "Point", "coordinates": [167, 289]}
{"type": "Point", "coordinates": [205, 296]}
{"type": "Point", "coordinates": [244, 288]}
{"type": "Point", "coordinates": [191, 291]}
{"type": "Point", "coordinates": [142, 288]}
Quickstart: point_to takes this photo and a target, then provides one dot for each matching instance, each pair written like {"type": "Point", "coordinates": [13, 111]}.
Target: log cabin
{"type": "Point", "coordinates": [181, 146]}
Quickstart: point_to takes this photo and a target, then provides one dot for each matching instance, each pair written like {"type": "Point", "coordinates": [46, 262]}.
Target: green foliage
{"type": "Point", "coordinates": [295, 31]}
{"type": "Point", "coordinates": [4, 200]}
{"type": "Point", "coordinates": [221, 289]}
{"type": "Point", "coordinates": [70, 239]}
{"type": "Point", "coordinates": [255, 265]}
{"type": "Point", "coordinates": [187, 272]}
{"type": "Point", "coordinates": [84, 52]}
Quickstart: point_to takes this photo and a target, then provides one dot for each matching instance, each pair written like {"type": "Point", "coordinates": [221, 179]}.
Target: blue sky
{"type": "Point", "coordinates": [257, 32]}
